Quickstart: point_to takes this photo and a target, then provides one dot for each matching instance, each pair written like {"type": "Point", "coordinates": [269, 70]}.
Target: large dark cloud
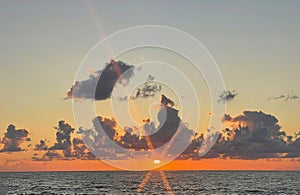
{"type": "Point", "coordinates": [169, 123]}
{"type": "Point", "coordinates": [253, 119]}
{"type": "Point", "coordinates": [253, 135]}
{"type": "Point", "coordinates": [104, 81]}
{"type": "Point", "coordinates": [150, 137]}
{"type": "Point", "coordinates": [13, 138]}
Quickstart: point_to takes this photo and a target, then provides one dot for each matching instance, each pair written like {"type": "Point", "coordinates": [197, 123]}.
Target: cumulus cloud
{"type": "Point", "coordinates": [80, 151]}
{"type": "Point", "coordinates": [108, 126]}
{"type": "Point", "coordinates": [254, 135]}
{"type": "Point", "coordinates": [253, 119]}
{"type": "Point", "coordinates": [169, 125]}
{"type": "Point", "coordinates": [65, 147]}
{"type": "Point", "coordinates": [99, 85]}
{"type": "Point", "coordinates": [250, 135]}
{"type": "Point", "coordinates": [13, 138]}
{"type": "Point", "coordinates": [41, 146]}
{"type": "Point", "coordinates": [227, 96]}
{"type": "Point", "coordinates": [63, 136]}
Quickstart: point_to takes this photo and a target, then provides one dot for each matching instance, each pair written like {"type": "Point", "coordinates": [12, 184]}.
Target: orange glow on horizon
{"type": "Point", "coordinates": [180, 165]}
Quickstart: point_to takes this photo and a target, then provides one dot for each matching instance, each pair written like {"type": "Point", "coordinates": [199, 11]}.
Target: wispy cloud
{"type": "Point", "coordinates": [284, 97]}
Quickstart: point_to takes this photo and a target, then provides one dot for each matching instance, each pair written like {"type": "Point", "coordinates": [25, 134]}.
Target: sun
{"type": "Point", "coordinates": [156, 161]}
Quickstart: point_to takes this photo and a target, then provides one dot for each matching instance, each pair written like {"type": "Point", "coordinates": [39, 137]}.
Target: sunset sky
{"type": "Point", "coordinates": [255, 44]}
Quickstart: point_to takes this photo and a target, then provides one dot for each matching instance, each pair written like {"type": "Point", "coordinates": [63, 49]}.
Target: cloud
{"type": "Point", "coordinates": [285, 97]}
{"type": "Point", "coordinates": [166, 101]}
{"type": "Point", "coordinates": [256, 135]}
{"type": "Point", "coordinates": [48, 156]}
{"type": "Point", "coordinates": [63, 136]}
{"type": "Point", "coordinates": [65, 148]}
{"type": "Point", "coordinates": [99, 85]}
{"type": "Point", "coordinates": [13, 138]}
{"type": "Point", "coordinates": [253, 119]}
{"type": "Point", "coordinates": [108, 125]}
{"type": "Point", "coordinates": [227, 96]}
{"type": "Point", "coordinates": [77, 150]}
{"type": "Point", "coordinates": [250, 135]}
{"type": "Point", "coordinates": [169, 125]}
{"type": "Point", "coordinates": [150, 77]}
{"type": "Point", "coordinates": [41, 146]}
{"type": "Point", "coordinates": [80, 151]}
{"type": "Point", "coordinates": [149, 89]}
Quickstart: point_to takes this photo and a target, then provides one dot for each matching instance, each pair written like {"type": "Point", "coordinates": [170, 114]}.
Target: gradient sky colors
{"type": "Point", "coordinates": [255, 44]}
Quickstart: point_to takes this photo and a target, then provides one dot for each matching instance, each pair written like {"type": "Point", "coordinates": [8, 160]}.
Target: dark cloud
{"type": "Point", "coordinates": [41, 146]}
{"type": "Point", "coordinates": [227, 96]}
{"type": "Point", "coordinates": [108, 125]}
{"type": "Point", "coordinates": [63, 136]}
{"type": "Point", "coordinates": [104, 81]}
{"type": "Point", "coordinates": [150, 77]}
{"type": "Point", "coordinates": [13, 138]}
{"type": "Point", "coordinates": [254, 135]}
{"type": "Point", "coordinates": [63, 143]}
{"type": "Point", "coordinates": [284, 97]}
{"type": "Point", "coordinates": [295, 147]}
{"type": "Point", "coordinates": [148, 89]}
{"type": "Point", "coordinates": [80, 151]}
{"type": "Point", "coordinates": [166, 101]}
{"type": "Point", "coordinates": [253, 119]}
{"type": "Point", "coordinates": [169, 124]}
{"type": "Point", "coordinates": [125, 98]}
{"type": "Point", "coordinates": [48, 156]}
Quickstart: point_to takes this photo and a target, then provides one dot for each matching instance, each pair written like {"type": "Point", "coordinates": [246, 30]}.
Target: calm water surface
{"type": "Point", "coordinates": [191, 182]}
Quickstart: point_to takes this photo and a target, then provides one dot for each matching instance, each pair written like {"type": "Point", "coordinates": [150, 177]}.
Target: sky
{"type": "Point", "coordinates": [254, 43]}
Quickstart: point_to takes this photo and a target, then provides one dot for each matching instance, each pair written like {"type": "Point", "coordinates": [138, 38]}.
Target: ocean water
{"type": "Point", "coordinates": [182, 182]}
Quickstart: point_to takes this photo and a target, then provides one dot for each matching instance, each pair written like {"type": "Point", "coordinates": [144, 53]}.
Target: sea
{"type": "Point", "coordinates": [179, 182]}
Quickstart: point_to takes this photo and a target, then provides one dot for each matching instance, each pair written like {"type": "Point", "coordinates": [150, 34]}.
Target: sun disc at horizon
{"type": "Point", "coordinates": [156, 161]}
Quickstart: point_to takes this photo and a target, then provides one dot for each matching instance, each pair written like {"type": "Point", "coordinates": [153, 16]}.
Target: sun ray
{"type": "Point", "coordinates": [144, 182]}
{"type": "Point", "coordinates": [166, 183]}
